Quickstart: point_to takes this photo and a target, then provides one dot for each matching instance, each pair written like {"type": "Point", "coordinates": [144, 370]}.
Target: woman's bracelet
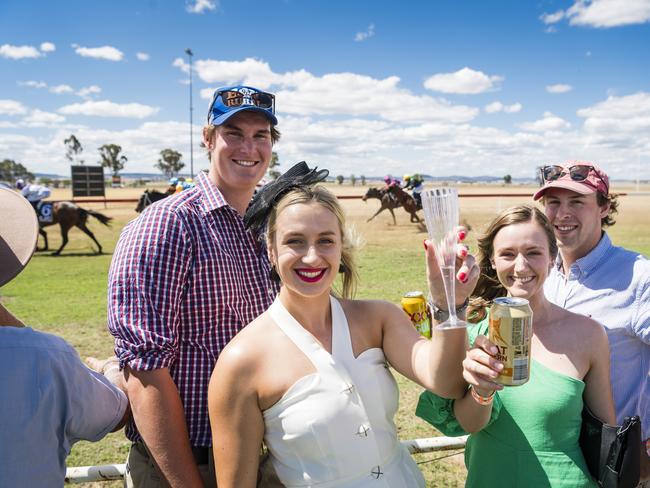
{"type": "Point", "coordinates": [480, 399]}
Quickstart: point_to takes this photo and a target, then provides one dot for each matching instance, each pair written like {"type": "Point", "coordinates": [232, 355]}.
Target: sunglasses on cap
{"type": "Point", "coordinates": [577, 172]}
{"type": "Point", "coordinates": [231, 99]}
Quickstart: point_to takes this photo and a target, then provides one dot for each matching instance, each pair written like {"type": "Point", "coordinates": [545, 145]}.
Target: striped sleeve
{"type": "Point", "coordinates": [146, 286]}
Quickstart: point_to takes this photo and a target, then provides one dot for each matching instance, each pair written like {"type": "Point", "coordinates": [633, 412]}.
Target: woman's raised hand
{"type": "Point", "coordinates": [467, 272]}
{"type": "Point", "coordinates": [480, 369]}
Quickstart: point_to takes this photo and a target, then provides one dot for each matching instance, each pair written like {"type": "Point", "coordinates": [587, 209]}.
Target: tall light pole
{"type": "Point", "coordinates": [189, 53]}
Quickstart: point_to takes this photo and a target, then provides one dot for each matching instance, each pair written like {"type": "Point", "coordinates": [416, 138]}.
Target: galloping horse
{"type": "Point", "coordinates": [387, 202]}
{"type": "Point", "coordinates": [406, 200]}
{"type": "Point", "coordinates": [148, 197]}
{"type": "Point", "coordinates": [69, 215]}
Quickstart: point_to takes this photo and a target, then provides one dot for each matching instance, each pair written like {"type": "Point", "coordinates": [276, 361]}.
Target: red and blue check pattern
{"type": "Point", "coordinates": [186, 277]}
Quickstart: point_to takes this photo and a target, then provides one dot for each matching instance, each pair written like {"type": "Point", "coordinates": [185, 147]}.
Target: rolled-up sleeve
{"type": "Point", "coordinates": [146, 285]}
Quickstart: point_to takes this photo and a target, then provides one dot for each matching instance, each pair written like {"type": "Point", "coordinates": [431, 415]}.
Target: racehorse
{"type": "Point", "coordinates": [406, 200]}
{"type": "Point", "coordinates": [387, 202]}
{"type": "Point", "coordinates": [68, 215]}
{"type": "Point", "coordinates": [148, 197]}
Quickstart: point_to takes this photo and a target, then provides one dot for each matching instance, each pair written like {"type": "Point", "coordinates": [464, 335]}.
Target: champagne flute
{"type": "Point", "coordinates": [441, 214]}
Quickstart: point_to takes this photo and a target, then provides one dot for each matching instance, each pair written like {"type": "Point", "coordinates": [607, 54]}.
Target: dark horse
{"type": "Point", "coordinates": [69, 215]}
{"type": "Point", "coordinates": [148, 197]}
{"type": "Point", "coordinates": [387, 202]}
{"type": "Point", "coordinates": [407, 201]}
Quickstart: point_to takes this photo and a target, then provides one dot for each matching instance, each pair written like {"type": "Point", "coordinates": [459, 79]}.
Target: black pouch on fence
{"type": "Point", "coordinates": [612, 452]}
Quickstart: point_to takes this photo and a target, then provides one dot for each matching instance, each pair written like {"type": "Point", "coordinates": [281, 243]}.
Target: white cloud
{"type": "Point", "coordinates": [12, 107]}
{"type": "Point", "coordinates": [19, 52]}
{"type": "Point", "coordinates": [362, 36]}
{"type": "Point", "coordinates": [87, 91]}
{"type": "Point", "coordinates": [463, 81]}
{"type": "Point", "coordinates": [626, 116]}
{"type": "Point", "coordinates": [39, 118]}
{"type": "Point", "coordinates": [108, 53]}
{"type": "Point", "coordinates": [33, 84]}
{"type": "Point", "coordinates": [142, 56]}
{"type": "Point", "coordinates": [334, 94]}
{"type": "Point", "coordinates": [58, 89]}
{"type": "Point", "coordinates": [559, 88]}
{"type": "Point", "coordinates": [200, 6]}
{"type": "Point", "coordinates": [47, 47]}
{"type": "Point", "coordinates": [549, 123]}
{"type": "Point", "coordinates": [105, 108]}
{"type": "Point", "coordinates": [500, 107]}
{"type": "Point", "coordinates": [552, 18]}
{"type": "Point", "coordinates": [603, 13]}
{"type": "Point", "coordinates": [181, 64]}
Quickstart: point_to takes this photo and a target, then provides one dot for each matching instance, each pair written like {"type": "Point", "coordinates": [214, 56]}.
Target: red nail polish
{"type": "Point", "coordinates": [424, 243]}
{"type": "Point", "coordinates": [462, 276]}
{"type": "Point", "coordinates": [463, 252]}
{"type": "Point", "coordinates": [462, 235]}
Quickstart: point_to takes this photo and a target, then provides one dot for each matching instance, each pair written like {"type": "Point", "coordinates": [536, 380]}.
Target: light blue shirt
{"type": "Point", "coordinates": [612, 285]}
{"type": "Point", "coordinates": [49, 401]}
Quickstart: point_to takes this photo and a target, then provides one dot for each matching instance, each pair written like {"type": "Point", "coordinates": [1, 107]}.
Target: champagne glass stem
{"type": "Point", "coordinates": [448, 278]}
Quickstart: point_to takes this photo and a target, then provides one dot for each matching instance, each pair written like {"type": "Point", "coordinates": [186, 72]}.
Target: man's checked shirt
{"type": "Point", "coordinates": [185, 278]}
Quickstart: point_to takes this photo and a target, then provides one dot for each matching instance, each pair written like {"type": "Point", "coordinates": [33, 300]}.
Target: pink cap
{"type": "Point", "coordinates": [596, 180]}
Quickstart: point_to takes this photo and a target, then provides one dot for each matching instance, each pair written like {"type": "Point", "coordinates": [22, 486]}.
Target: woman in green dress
{"type": "Point", "coordinates": [526, 435]}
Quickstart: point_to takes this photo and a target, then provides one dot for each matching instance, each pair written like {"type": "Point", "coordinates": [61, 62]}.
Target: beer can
{"type": "Point", "coordinates": [511, 330]}
{"type": "Point", "coordinates": [416, 308]}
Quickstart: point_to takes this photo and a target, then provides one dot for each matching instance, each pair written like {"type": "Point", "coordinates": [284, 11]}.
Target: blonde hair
{"type": "Point", "coordinates": [325, 198]}
{"type": "Point", "coordinates": [489, 287]}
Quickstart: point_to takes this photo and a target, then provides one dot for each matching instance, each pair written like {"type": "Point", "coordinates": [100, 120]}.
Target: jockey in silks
{"type": "Point", "coordinates": [390, 181]}
{"type": "Point", "coordinates": [414, 183]}
{"type": "Point", "coordinates": [33, 193]}
{"type": "Point", "coordinates": [177, 185]}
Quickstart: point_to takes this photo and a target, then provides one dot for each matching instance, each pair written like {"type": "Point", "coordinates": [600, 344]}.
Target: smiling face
{"type": "Point", "coordinates": [240, 151]}
{"type": "Point", "coordinates": [576, 221]}
{"type": "Point", "coordinates": [306, 249]}
{"type": "Point", "coordinates": [522, 259]}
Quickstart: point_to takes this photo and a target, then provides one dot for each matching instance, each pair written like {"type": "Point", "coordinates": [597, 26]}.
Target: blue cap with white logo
{"type": "Point", "coordinates": [228, 101]}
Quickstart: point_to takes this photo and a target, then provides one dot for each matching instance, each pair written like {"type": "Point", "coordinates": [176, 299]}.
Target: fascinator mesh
{"type": "Point", "coordinates": [299, 175]}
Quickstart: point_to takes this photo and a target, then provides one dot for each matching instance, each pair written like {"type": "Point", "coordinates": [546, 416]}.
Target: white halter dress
{"type": "Point", "coordinates": [334, 427]}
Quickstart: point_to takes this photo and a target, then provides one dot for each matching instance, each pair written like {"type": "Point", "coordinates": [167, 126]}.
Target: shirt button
{"type": "Point", "coordinates": [376, 472]}
{"type": "Point", "coordinates": [349, 388]}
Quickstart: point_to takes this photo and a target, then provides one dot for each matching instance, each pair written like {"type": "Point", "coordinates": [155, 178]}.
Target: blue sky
{"type": "Point", "coordinates": [363, 87]}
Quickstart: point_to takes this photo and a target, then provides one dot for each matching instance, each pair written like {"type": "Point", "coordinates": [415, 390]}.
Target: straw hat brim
{"type": "Point", "coordinates": [18, 234]}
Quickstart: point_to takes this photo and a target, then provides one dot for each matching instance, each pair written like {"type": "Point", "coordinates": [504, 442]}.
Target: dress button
{"type": "Point", "coordinates": [376, 472]}
{"type": "Point", "coordinates": [348, 389]}
{"type": "Point", "coordinates": [363, 430]}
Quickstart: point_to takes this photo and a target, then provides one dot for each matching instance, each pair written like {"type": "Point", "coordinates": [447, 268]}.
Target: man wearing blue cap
{"type": "Point", "coordinates": [186, 276]}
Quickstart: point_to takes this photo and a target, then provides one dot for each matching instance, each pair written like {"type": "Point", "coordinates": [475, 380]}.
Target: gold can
{"type": "Point", "coordinates": [511, 330]}
{"type": "Point", "coordinates": [416, 308]}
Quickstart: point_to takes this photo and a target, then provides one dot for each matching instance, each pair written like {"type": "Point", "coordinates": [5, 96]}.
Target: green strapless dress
{"type": "Point", "coordinates": [532, 437]}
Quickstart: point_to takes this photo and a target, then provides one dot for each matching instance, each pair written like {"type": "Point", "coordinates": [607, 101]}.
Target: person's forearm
{"type": "Point", "coordinates": [471, 415]}
{"type": "Point", "coordinates": [447, 350]}
{"type": "Point", "coordinates": [159, 416]}
{"type": "Point", "coordinates": [7, 318]}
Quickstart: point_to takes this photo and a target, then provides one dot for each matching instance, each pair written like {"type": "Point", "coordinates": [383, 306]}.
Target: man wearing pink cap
{"type": "Point", "coordinates": [607, 283]}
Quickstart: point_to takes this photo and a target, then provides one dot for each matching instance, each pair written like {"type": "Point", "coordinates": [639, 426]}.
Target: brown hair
{"type": "Point", "coordinates": [612, 200]}
{"type": "Point", "coordinates": [489, 287]}
{"type": "Point", "coordinates": [328, 200]}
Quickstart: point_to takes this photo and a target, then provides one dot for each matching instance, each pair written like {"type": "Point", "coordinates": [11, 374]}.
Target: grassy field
{"type": "Point", "coordinates": [66, 295]}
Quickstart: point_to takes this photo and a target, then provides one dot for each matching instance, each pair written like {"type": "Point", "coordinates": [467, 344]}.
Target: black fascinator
{"type": "Point", "coordinates": [299, 175]}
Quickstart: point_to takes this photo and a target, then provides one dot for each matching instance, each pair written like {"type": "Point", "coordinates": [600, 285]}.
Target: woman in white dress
{"type": "Point", "coordinates": [310, 376]}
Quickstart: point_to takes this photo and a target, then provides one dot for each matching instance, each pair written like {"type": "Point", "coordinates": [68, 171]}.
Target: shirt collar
{"type": "Point", "coordinates": [212, 197]}
{"type": "Point", "coordinates": [588, 263]}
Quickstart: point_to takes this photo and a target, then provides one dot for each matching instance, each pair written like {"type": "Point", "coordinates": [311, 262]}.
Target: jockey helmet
{"type": "Point", "coordinates": [20, 183]}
